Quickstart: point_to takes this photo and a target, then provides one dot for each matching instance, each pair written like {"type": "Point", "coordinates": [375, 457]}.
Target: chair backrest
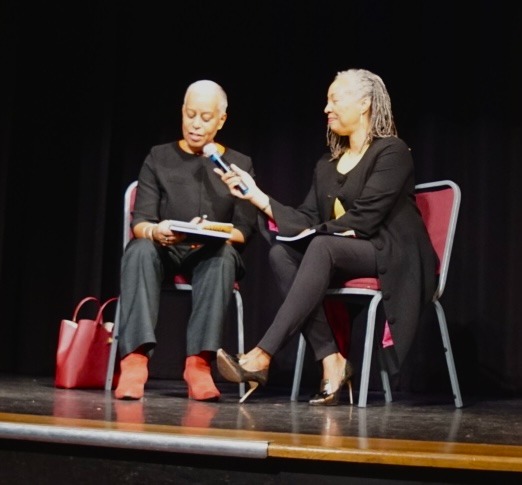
{"type": "Point", "coordinates": [439, 204]}
{"type": "Point", "coordinates": [128, 205]}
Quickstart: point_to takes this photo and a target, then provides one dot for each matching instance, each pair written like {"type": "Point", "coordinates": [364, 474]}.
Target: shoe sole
{"type": "Point", "coordinates": [227, 368]}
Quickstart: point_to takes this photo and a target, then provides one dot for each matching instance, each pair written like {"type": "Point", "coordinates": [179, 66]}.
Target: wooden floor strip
{"type": "Point", "coordinates": [467, 456]}
{"type": "Point", "coordinates": [253, 444]}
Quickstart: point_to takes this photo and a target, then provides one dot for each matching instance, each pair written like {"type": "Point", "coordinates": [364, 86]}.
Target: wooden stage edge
{"type": "Point", "coordinates": [261, 445]}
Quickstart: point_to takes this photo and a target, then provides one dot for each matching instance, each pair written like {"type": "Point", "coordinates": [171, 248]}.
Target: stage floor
{"type": "Point", "coordinates": [414, 430]}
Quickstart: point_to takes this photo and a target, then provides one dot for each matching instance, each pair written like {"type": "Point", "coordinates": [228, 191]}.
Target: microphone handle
{"type": "Point", "coordinates": [226, 168]}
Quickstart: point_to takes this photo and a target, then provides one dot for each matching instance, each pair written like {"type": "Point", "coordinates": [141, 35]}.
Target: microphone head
{"type": "Point", "coordinates": [210, 149]}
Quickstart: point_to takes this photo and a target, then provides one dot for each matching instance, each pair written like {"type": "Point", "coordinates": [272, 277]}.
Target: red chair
{"type": "Point", "coordinates": [439, 203]}
{"type": "Point", "coordinates": [181, 283]}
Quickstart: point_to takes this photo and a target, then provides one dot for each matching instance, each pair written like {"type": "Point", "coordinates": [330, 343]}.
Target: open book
{"type": "Point", "coordinates": [202, 231]}
{"type": "Point", "coordinates": [313, 232]}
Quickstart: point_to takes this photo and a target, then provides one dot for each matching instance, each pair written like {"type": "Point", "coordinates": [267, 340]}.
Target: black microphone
{"type": "Point", "coordinates": [210, 150]}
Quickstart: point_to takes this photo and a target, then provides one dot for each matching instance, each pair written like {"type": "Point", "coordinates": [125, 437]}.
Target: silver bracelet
{"type": "Point", "coordinates": [149, 232]}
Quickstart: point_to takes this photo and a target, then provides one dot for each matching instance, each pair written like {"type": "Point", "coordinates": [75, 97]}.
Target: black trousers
{"type": "Point", "coordinates": [304, 278]}
{"type": "Point", "coordinates": [145, 266]}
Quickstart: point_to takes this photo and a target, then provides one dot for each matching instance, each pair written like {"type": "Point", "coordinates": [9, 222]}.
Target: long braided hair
{"type": "Point", "coordinates": [365, 84]}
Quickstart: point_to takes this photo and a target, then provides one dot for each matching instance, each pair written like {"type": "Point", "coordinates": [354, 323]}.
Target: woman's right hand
{"type": "Point", "coordinates": [234, 177]}
{"type": "Point", "coordinates": [255, 195]}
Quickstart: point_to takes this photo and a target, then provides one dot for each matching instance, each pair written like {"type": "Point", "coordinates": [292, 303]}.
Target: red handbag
{"type": "Point", "coordinates": [83, 349]}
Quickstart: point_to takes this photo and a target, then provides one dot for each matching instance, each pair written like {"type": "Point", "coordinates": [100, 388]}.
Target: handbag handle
{"type": "Point", "coordinates": [99, 317]}
{"type": "Point", "coordinates": [85, 300]}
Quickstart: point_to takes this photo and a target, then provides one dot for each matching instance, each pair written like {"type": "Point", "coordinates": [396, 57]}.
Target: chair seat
{"type": "Point", "coordinates": [368, 283]}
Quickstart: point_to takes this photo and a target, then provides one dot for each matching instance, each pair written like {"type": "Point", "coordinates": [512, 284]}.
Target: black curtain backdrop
{"type": "Point", "coordinates": [88, 88]}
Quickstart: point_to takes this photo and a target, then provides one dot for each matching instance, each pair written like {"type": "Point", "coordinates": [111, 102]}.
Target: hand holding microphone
{"type": "Point", "coordinates": [210, 150]}
{"type": "Point", "coordinates": [240, 182]}
{"type": "Point", "coordinates": [236, 177]}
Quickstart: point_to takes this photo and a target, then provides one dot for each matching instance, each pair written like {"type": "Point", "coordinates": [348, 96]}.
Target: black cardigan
{"type": "Point", "coordinates": [379, 199]}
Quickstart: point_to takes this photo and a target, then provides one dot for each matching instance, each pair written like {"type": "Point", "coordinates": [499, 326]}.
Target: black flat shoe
{"type": "Point", "coordinates": [232, 371]}
{"type": "Point", "coordinates": [327, 397]}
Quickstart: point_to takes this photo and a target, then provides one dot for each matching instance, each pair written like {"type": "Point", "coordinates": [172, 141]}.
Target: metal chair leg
{"type": "Point", "coordinates": [114, 349]}
{"type": "Point", "coordinates": [240, 333]}
{"type": "Point", "coordinates": [449, 354]}
{"type": "Point", "coordinates": [298, 370]}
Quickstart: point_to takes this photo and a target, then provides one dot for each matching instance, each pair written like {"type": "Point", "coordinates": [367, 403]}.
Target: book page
{"type": "Point", "coordinates": [310, 232]}
{"type": "Point", "coordinates": [217, 226]}
{"type": "Point", "coordinates": [301, 235]}
{"type": "Point", "coordinates": [202, 231]}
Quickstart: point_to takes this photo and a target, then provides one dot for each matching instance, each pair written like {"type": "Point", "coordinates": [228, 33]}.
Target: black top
{"type": "Point", "coordinates": [174, 184]}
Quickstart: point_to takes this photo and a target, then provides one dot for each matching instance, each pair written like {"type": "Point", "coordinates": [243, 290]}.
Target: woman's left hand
{"type": "Point", "coordinates": [164, 236]}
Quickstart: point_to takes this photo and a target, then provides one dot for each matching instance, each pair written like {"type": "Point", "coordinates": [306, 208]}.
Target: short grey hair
{"type": "Point", "coordinates": [207, 85]}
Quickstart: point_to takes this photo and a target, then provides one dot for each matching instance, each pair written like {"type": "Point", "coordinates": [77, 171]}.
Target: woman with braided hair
{"type": "Point", "coordinates": [363, 189]}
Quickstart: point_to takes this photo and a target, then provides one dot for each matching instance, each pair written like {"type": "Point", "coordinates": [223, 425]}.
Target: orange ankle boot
{"type": "Point", "coordinates": [133, 376]}
{"type": "Point", "coordinates": [198, 377]}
